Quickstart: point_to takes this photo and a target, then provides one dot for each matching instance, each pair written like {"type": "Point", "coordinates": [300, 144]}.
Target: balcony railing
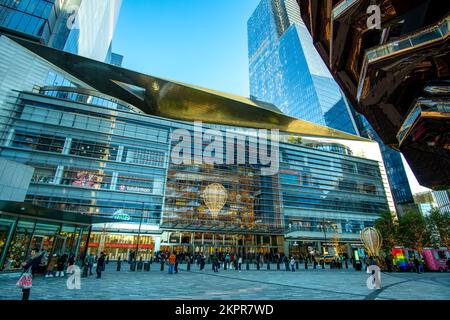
{"type": "Point", "coordinates": [414, 40]}
{"type": "Point", "coordinates": [421, 106]}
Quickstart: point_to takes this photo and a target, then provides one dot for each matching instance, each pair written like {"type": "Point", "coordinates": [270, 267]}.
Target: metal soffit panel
{"type": "Point", "coordinates": [176, 100]}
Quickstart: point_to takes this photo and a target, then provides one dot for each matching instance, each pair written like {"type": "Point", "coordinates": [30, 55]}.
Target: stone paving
{"type": "Point", "coordinates": [232, 285]}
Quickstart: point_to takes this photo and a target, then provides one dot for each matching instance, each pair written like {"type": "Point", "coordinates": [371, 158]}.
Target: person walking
{"type": "Point", "coordinates": [51, 265]}
{"type": "Point", "coordinates": [202, 262]}
{"type": "Point", "coordinates": [172, 259]}
{"type": "Point", "coordinates": [292, 264]}
{"type": "Point", "coordinates": [227, 262]}
{"type": "Point", "coordinates": [90, 262]}
{"type": "Point", "coordinates": [100, 264]}
{"type": "Point", "coordinates": [215, 262]}
{"type": "Point", "coordinates": [32, 264]}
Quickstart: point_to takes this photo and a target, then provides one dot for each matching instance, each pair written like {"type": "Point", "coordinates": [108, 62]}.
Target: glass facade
{"type": "Point", "coordinates": [97, 155]}
{"type": "Point", "coordinates": [33, 17]}
{"type": "Point", "coordinates": [396, 174]}
{"type": "Point", "coordinates": [94, 158]}
{"type": "Point", "coordinates": [82, 27]}
{"type": "Point", "coordinates": [286, 69]}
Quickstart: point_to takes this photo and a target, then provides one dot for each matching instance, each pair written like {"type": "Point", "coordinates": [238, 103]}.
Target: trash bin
{"type": "Point", "coordinates": [140, 265]}
{"type": "Point", "coordinates": [147, 266]}
{"type": "Point", "coordinates": [133, 266]}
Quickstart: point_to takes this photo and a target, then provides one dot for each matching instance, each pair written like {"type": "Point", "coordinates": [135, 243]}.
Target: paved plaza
{"type": "Point", "coordinates": [231, 285]}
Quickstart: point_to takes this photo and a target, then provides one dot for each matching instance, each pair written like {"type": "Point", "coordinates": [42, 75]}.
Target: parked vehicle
{"type": "Point", "coordinates": [436, 259]}
{"type": "Point", "coordinates": [403, 257]}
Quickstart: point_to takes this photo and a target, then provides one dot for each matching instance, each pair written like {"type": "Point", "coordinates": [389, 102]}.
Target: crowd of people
{"type": "Point", "coordinates": [55, 265]}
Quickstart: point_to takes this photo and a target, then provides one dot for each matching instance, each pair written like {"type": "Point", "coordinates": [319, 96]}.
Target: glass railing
{"type": "Point", "coordinates": [89, 98]}
{"type": "Point", "coordinates": [421, 106]}
{"type": "Point", "coordinates": [413, 40]}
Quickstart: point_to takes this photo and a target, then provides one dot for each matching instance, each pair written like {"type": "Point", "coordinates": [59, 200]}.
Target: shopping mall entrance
{"type": "Point", "coordinates": [245, 245]}
{"type": "Point", "coordinates": [121, 246]}
{"type": "Point", "coordinates": [24, 227]}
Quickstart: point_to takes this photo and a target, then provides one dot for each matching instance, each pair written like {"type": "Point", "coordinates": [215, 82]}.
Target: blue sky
{"type": "Point", "coordinates": [202, 42]}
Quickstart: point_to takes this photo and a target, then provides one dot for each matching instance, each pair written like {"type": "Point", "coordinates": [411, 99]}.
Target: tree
{"type": "Point", "coordinates": [388, 228]}
{"type": "Point", "coordinates": [413, 231]}
{"type": "Point", "coordinates": [439, 227]}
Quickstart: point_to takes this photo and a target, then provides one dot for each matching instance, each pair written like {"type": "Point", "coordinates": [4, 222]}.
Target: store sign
{"type": "Point", "coordinates": [135, 189]}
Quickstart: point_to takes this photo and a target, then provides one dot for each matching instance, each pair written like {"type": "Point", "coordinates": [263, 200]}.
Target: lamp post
{"type": "Point", "coordinates": [139, 232]}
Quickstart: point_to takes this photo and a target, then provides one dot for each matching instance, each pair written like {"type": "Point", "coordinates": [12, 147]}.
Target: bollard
{"type": "Point", "coordinates": [306, 264]}
{"type": "Point", "coordinates": [162, 265]}
{"type": "Point", "coordinates": [268, 266]}
{"type": "Point", "coordinates": [278, 265]}
{"type": "Point", "coordinates": [287, 266]}
{"type": "Point", "coordinates": [296, 265]}
{"type": "Point", "coordinates": [257, 266]}
{"type": "Point", "coordinates": [119, 264]}
{"type": "Point", "coordinates": [322, 263]}
{"type": "Point", "coordinates": [346, 264]}
{"type": "Point", "coordinates": [189, 265]}
{"type": "Point", "coordinates": [315, 265]}
{"type": "Point", "coordinates": [247, 266]}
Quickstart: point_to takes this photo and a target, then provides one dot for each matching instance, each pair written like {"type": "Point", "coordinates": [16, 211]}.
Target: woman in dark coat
{"type": "Point", "coordinates": [32, 264]}
{"type": "Point", "coordinates": [60, 265]}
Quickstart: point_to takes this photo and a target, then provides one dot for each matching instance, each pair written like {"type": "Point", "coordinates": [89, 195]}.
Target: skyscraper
{"type": "Point", "coordinates": [82, 27]}
{"type": "Point", "coordinates": [286, 70]}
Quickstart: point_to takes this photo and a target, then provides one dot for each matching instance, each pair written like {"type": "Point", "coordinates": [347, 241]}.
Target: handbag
{"type": "Point", "coordinates": [26, 280]}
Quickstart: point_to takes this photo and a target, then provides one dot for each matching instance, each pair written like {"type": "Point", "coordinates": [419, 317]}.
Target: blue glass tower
{"type": "Point", "coordinates": [286, 70]}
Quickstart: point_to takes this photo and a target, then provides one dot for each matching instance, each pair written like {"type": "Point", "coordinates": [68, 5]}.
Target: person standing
{"type": "Point", "coordinates": [100, 264]}
{"type": "Point", "coordinates": [90, 262]}
{"type": "Point", "coordinates": [202, 262]}
{"type": "Point", "coordinates": [60, 265]}
{"type": "Point", "coordinates": [292, 264]}
{"type": "Point", "coordinates": [177, 260]}
{"type": "Point", "coordinates": [172, 259]}
{"type": "Point", "coordinates": [240, 263]}
{"type": "Point", "coordinates": [51, 265]}
{"type": "Point", "coordinates": [32, 264]}
{"type": "Point", "coordinates": [416, 264]}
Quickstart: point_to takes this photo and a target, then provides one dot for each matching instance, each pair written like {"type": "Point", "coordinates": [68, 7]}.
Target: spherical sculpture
{"type": "Point", "coordinates": [371, 239]}
{"type": "Point", "coordinates": [215, 197]}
